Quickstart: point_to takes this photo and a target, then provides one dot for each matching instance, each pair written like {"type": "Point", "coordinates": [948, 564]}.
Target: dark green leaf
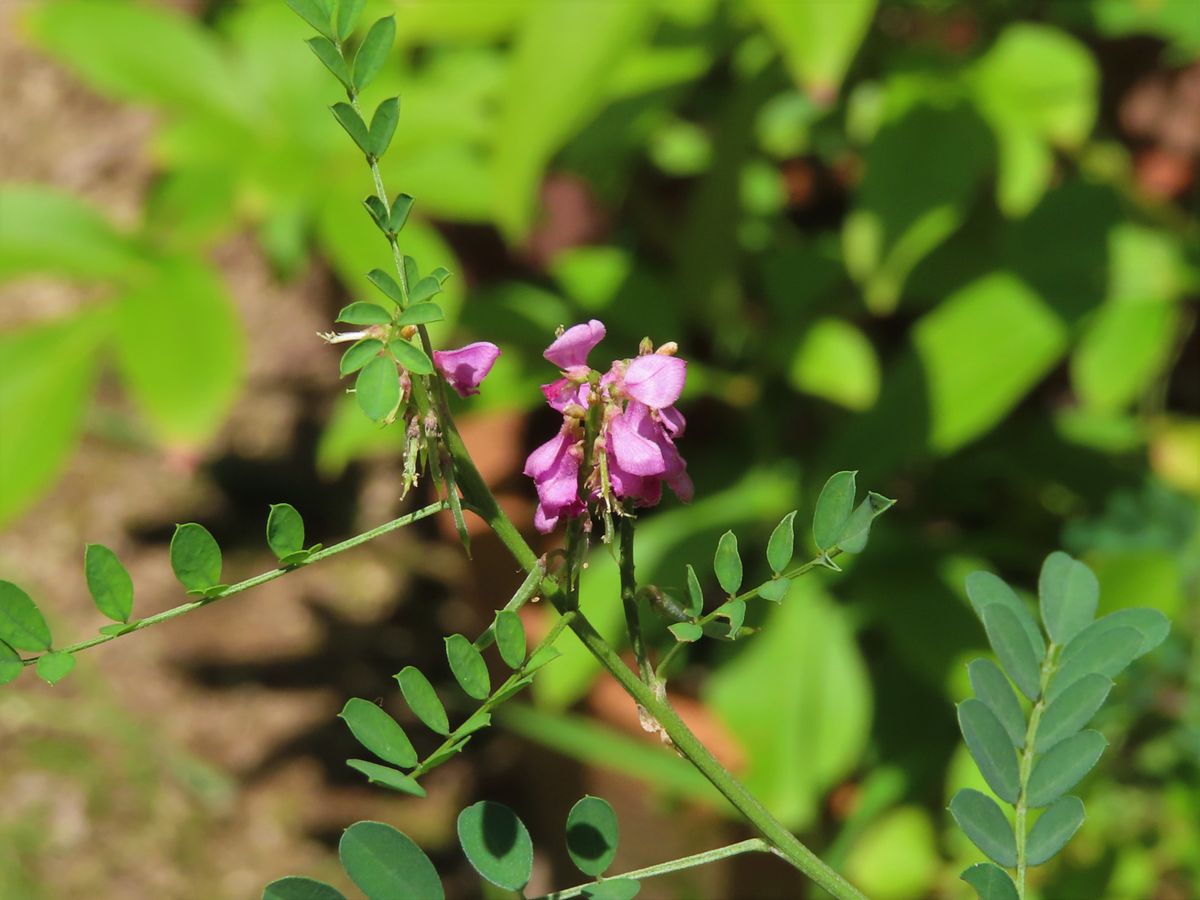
{"type": "Point", "coordinates": [1059, 770]}
{"type": "Point", "coordinates": [1052, 831]}
{"type": "Point", "coordinates": [285, 530]}
{"type": "Point", "coordinates": [1072, 710]}
{"type": "Point", "coordinates": [510, 638]}
{"type": "Point", "coordinates": [1069, 593]}
{"type": "Point", "coordinates": [857, 530]}
{"type": "Point", "coordinates": [378, 732]}
{"type": "Point", "coordinates": [425, 289]}
{"type": "Point", "coordinates": [466, 662]}
{"type": "Point", "coordinates": [54, 667]}
{"type": "Point", "coordinates": [978, 815]}
{"type": "Point", "coordinates": [10, 663]}
{"type": "Point", "coordinates": [359, 355]}
{"type": "Point", "coordinates": [1012, 647]}
{"type": "Point", "coordinates": [985, 589]}
{"type": "Point", "coordinates": [686, 632]}
{"type": "Point", "coordinates": [423, 700]}
{"type": "Point", "coordinates": [387, 865]}
{"type": "Point", "coordinates": [695, 595]}
{"type": "Point", "coordinates": [421, 314]}
{"type": "Point", "coordinates": [195, 557]}
{"type": "Point", "coordinates": [990, 882]}
{"type": "Point", "coordinates": [108, 582]}
{"type": "Point", "coordinates": [592, 835]}
{"type": "Point", "coordinates": [1108, 654]}
{"type": "Point", "coordinates": [297, 887]}
{"type": "Point", "coordinates": [775, 590]}
{"type": "Point", "coordinates": [21, 624]}
{"type": "Point", "coordinates": [993, 689]}
{"type": "Point", "coordinates": [328, 54]}
{"type": "Point", "coordinates": [387, 284]}
{"type": "Point", "coordinates": [727, 564]}
{"type": "Point", "coordinates": [400, 210]}
{"type": "Point", "coordinates": [833, 509]}
{"type": "Point", "coordinates": [991, 748]}
{"type": "Point", "coordinates": [363, 313]}
{"type": "Point", "coordinates": [613, 889]}
{"type": "Point", "coordinates": [779, 547]}
{"type": "Point", "coordinates": [350, 120]}
{"type": "Point", "coordinates": [317, 13]}
{"type": "Point", "coordinates": [383, 126]}
{"type": "Point", "coordinates": [387, 776]}
{"type": "Point", "coordinates": [374, 51]}
{"type": "Point", "coordinates": [377, 388]}
{"type": "Point", "coordinates": [497, 844]}
{"type": "Point", "coordinates": [348, 12]}
{"type": "Point", "coordinates": [411, 357]}
{"type": "Point", "coordinates": [1151, 624]}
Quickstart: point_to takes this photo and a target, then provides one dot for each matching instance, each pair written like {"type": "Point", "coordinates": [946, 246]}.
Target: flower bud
{"type": "Point", "coordinates": [645, 347]}
{"type": "Point", "coordinates": [670, 348]}
{"type": "Point", "coordinates": [408, 331]}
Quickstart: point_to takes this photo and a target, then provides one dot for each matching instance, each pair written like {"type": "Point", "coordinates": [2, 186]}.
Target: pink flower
{"type": "Point", "coordinates": [465, 368]}
{"type": "Point", "coordinates": [655, 380]}
{"type": "Point", "coordinates": [554, 468]}
{"type": "Point", "coordinates": [571, 348]}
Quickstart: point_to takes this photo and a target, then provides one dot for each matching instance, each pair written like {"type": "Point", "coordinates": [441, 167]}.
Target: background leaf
{"type": "Point", "coordinates": [818, 39]}
{"type": "Point", "coordinates": [21, 624]}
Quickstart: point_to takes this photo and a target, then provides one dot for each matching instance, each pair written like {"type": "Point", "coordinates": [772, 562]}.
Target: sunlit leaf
{"type": "Point", "coordinates": [818, 39]}
{"type": "Point", "coordinates": [387, 865]}
{"type": "Point", "coordinates": [108, 582]}
{"type": "Point", "coordinates": [195, 557]}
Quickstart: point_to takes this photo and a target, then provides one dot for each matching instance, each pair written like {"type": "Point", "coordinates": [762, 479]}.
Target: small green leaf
{"type": "Point", "coordinates": [1013, 649]}
{"type": "Point", "coordinates": [466, 662]}
{"type": "Point", "coordinates": [686, 632]}
{"type": "Point", "coordinates": [727, 564]}
{"type": "Point", "coordinates": [423, 700]}
{"type": "Point", "coordinates": [592, 835]}
{"type": "Point", "coordinates": [10, 663]}
{"type": "Point", "coordinates": [477, 722]}
{"type": "Point", "coordinates": [990, 882]}
{"type": "Point", "coordinates": [118, 630]}
{"type": "Point", "coordinates": [1069, 594]}
{"type": "Point", "coordinates": [412, 272]}
{"type": "Point", "coordinates": [383, 126]}
{"type": "Point", "coordinates": [348, 12]}
{"type": "Point", "coordinates": [775, 590]}
{"type": "Point", "coordinates": [297, 887]}
{"type": "Point", "coordinates": [363, 313]}
{"type": "Point", "coordinates": [695, 594]}
{"type": "Point", "coordinates": [387, 776]}
{"type": "Point", "coordinates": [541, 658]}
{"type": "Point", "coordinates": [108, 582]}
{"type": "Point", "coordinates": [1151, 624]}
{"type": "Point", "coordinates": [54, 667]}
{"type": "Point", "coordinates": [857, 530]}
{"type": "Point", "coordinates": [425, 289]}
{"type": "Point", "coordinates": [411, 357]}
{"type": "Point", "coordinates": [1061, 769]}
{"type": "Point", "coordinates": [387, 285]}
{"type": "Point", "coordinates": [441, 273]}
{"type": "Point", "coordinates": [195, 557]}
{"type": "Point", "coordinates": [978, 815]}
{"type": "Point", "coordinates": [350, 120]}
{"type": "Point", "coordinates": [21, 624]}
{"type": "Point", "coordinates": [378, 732]}
{"type": "Point", "coordinates": [1072, 710]}
{"type": "Point", "coordinates": [387, 865]}
{"type": "Point", "coordinates": [285, 530]}
{"type": "Point", "coordinates": [359, 355]}
{"type": "Point", "coordinates": [374, 51]}
{"type": "Point", "coordinates": [400, 209]}
{"type": "Point", "coordinates": [497, 844]}
{"type": "Point", "coordinates": [1108, 654]}
{"type": "Point", "coordinates": [510, 638]}
{"type": "Point", "coordinates": [316, 13]}
{"type": "Point", "coordinates": [613, 889]}
{"type": "Point", "coordinates": [421, 314]}
{"type": "Point", "coordinates": [990, 686]}
{"type": "Point", "coordinates": [327, 53]}
{"type": "Point", "coordinates": [300, 556]}
{"type": "Point", "coordinates": [1051, 832]}
{"type": "Point", "coordinates": [985, 589]}
{"type": "Point", "coordinates": [735, 612]}
{"type": "Point", "coordinates": [377, 388]}
{"type": "Point", "coordinates": [833, 509]}
{"type": "Point", "coordinates": [780, 545]}
{"type": "Point", "coordinates": [379, 213]}
{"type": "Point", "coordinates": [215, 590]}
{"type": "Point", "coordinates": [991, 748]}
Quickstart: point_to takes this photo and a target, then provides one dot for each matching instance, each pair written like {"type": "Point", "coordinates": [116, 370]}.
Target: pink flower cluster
{"type": "Point", "coordinates": [634, 452]}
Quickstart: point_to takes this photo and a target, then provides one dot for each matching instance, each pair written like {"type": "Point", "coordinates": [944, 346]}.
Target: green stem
{"type": "Point", "coordinates": [1022, 808]}
{"type": "Point", "coordinates": [629, 599]}
{"type": "Point", "coordinates": [194, 605]}
{"type": "Point", "coordinates": [753, 845]}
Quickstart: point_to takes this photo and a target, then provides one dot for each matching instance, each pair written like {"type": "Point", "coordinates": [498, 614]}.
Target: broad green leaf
{"type": "Point", "coordinates": [837, 362]}
{"type": "Point", "coordinates": [984, 589]}
{"type": "Point", "coordinates": [387, 284]}
{"type": "Point", "coordinates": [1108, 654]}
{"type": "Point", "coordinates": [383, 126]}
{"type": "Point", "coordinates": [857, 529]}
{"type": "Point", "coordinates": [1072, 710]}
{"type": "Point", "coordinates": [990, 882]}
{"type": "Point", "coordinates": [285, 529]}
{"type": "Point", "coordinates": [181, 350]}
{"type": "Point", "coordinates": [195, 557]}
{"type": "Point", "coordinates": [510, 638]}
{"type": "Point", "coordinates": [348, 12]}
{"type": "Point", "coordinates": [818, 39]}
{"type": "Point", "coordinates": [423, 700]}
{"type": "Point", "coordinates": [54, 667]}
{"type": "Point", "coordinates": [1051, 832]}
{"type": "Point", "coordinates": [317, 13]}
{"type": "Point", "coordinates": [686, 632]}
{"type": "Point", "coordinates": [497, 844]}
{"type": "Point", "coordinates": [775, 590]}
{"type": "Point", "coordinates": [373, 52]}
{"type": "Point", "coordinates": [421, 314]}
{"type": "Point", "coordinates": [1059, 770]}
{"type": "Point", "coordinates": [727, 564]}
{"type": "Point", "coordinates": [1013, 649]}
{"type": "Point", "coordinates": [21, 624]}
{"type": "Point", "coordinates": [592, 835]}
{"type": "Point", "coordinates": [1151, 624]}
{"type": "Point", "coordinates": [359, 355]}
{"type": "Point", "coordinates": [387, 776]}
{"type": "Point", "coordinates": [48, 373]}
{"type": "Point", "coordinates": [613, 889]}
{"type": "Point", "coordinates": [1069, 593]}
{"type": "Point", "coordinates": [10, 663]}
{"type": "Point", "coordinates": [377, 388]}
{"type": "Point", "coordinates": [695, 594]}
{"type": "Point", "coordinates": [1125, 347]}
{"type": "Point", "coordinates": [387, 865]}
{"type": "Point", "coordinates": [411, 357]}
{"type": "Point", "coordinates": [991, 687]}
{"type": "Point", "coordinates": [297, 887]}
{"type": "Point", "coordinates": [470, 671]}
{"type": "Point", "coordinates": [108, 582]}
{"type": "Point", "coordinates": [834, 506]}
{"type": "Point", "coordinates": [378, 732]}
{"type": "Point", "coordinates": [352, 122]}
{"type": "Point", "coordinates": [363, 313]}
{"type": "Point", "coordinates": [780, 545]}
{"type": "Point", "coordinates": [328, 54]}
{"type": "Point", "coordinates": [978, 815]}
{"type": "Point", "coordinates": [991, 748]}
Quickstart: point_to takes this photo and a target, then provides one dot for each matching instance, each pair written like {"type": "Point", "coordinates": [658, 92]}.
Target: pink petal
{"type": "Point", "coordinates": [561, 393]}
{"type": "Point", "coordinates": [633, 449]}
{"type": "Point", "coordinates": [464, 369]}
{"type": "Point", "coordinates": [655, 380]}
{"type": "Point", "coordinates": [673, 421]}
{"type": "Point", "coordinates": [573, 346]}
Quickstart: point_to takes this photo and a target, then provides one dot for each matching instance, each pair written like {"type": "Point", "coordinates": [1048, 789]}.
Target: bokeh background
{"type": "Point", "coordinates": [953, 245]}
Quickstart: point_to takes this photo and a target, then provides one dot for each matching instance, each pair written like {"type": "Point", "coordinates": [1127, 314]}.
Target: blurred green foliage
{"type": "Point", "coordinates": [908, 237]}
